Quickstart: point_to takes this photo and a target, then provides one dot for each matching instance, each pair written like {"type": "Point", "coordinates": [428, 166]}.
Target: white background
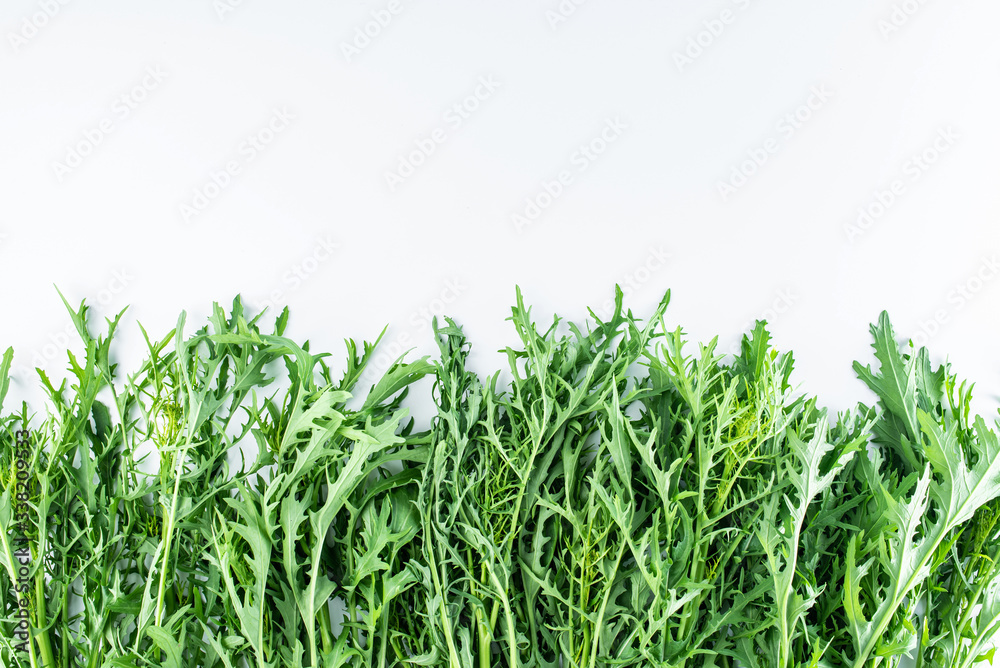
{"type": "Point", "coordinates": [100, 158]}
{"type": "Point", "coordinates": [118, 117]}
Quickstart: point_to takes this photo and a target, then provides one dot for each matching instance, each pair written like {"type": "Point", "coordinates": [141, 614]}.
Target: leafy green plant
{"type": "Point", "coordinates": [624, 500]}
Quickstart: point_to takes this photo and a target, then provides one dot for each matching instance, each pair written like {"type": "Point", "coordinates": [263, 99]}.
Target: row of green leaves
{"type": "Point", "coordinates": [622, 501]}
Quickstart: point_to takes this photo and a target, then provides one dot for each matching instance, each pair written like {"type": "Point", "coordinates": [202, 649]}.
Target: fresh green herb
{"type": "Point", "coordinates": [625, 499]}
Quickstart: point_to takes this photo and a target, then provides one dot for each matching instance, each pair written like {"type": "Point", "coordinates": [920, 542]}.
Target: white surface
{"type": "Point", "coordinates": [508, 95]}
{"type": "Point", "coordinates": [176, 93]}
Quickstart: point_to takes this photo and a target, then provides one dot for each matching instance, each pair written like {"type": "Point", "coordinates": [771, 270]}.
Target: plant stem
{"type": "Point", "coordinates": [168, 530]}
{"type": "Point", "coordinates": [325, 629]}
{"type": "Point", "coordinates": [485, 632]}
{"type": "Point", "coordinates": [44, 645]}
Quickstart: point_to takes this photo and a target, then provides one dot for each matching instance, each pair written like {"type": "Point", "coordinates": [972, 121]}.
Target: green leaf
{"type": "Point", "coordinates": [166, 642]}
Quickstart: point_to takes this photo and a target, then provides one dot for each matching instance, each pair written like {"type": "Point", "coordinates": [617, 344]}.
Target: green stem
{"type": "Point", "coordinates": [44, 645]}
{"type": "Point", "coordinates": [697, 572]}
{"type": "Point", "coordinates": [453, 660]}
{"type": "Point", "coordinates": [511, 638]}
{"type": "Point", "coordinates": [65, 621]}
{"type": "Point", "coordinates": [698, 565]}
{"type": "Point", "coordinates": [167, 539]}
{"type": "Point", "coordinates": [325, 629]}
{"type": "Point", "coordinates": [384, 632]}
{"type": "Point", "coordinates": [485, 632]}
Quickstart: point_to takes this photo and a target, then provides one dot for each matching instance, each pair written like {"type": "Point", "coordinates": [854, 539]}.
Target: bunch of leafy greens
{"type": "Point", "coordinates": [625, 500]}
